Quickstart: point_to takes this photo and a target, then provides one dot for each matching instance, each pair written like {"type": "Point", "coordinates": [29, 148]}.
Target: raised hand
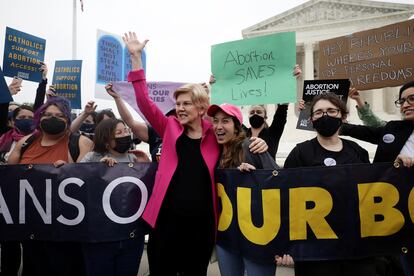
{"type": "Point", "coordinates": [354, 94]}
{"type": "Point", "coordinates": [51, 92]}
{"type": "Point", "coordinates": [110, 91]}
{"type": "Point", "coordinates": [297, 71]}
{"type": "Point", "coordinates": [90, 107]}
{"type": "Point", "coordinates": [133, 45]}
{"type": "Point", "coordinates": [301, 104]}
{"type": "Point", "coordinates": [15, 86]}
{"type": "Point", "coordinates": [44, 70]}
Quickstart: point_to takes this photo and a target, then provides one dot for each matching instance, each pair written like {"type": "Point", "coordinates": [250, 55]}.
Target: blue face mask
{"type": "Point", "coordinates": [24, 126]}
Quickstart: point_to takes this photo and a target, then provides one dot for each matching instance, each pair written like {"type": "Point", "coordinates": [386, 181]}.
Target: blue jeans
{"type": "Point", "coordinates": [233, 264]}
{"type": "Point", "coordinates": [407, 263]}
{"type": "Point", "coordinates": [113, 258]}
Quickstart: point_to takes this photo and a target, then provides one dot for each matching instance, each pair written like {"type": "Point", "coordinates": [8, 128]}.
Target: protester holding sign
{"type": "Point", "coordinates": [112, 140]}
{"type": "Point", "coordinates": [227, 125]}
{"type": "Point", "coordinates": [183, 205]}
{"type": "Point", "coordinates": [395, 142]}
{"type": "Point", "coordinates": [364, 110]}
{"type": "Point", "coordinates": [328, 113]}
{"type": "Point", "coordinates": [51, 143]}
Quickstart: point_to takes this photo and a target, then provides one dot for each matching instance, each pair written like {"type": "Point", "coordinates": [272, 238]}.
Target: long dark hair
{"type": "Point", "coordinates": [234, 156]}
{"type": "Point", "coordinates": [104, 133]}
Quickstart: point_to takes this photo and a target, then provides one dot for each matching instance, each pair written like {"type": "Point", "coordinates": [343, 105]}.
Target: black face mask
{"type": "Point", "coordinates": [327, 126]}
{"type": "Point", "coordinates": [256, 121]}
{"type": "Point", "coordinates": [52, 125]}
{"type": "Point", "coordinates": [123, 144]}
{"type": "Point", "coordinates": [87, 128]}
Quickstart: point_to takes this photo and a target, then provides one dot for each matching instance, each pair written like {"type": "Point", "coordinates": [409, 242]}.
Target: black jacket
{"type": "Point", "coordinates": [390, 138]}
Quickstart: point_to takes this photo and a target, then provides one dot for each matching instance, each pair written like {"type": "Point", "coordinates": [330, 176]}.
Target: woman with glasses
{"type": "Point", "coordinates": [328, 113]}
{"type": "Point", "coordinates": [395, 142]}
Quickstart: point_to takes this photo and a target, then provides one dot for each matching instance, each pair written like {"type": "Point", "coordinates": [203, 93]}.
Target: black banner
{"type": "Point", "coordinates": [87, 202]}
{"type": "Point", "coordinates": [317, 213]}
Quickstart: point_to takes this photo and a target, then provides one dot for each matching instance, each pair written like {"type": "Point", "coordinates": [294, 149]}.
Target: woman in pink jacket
{"type": "Point", "coordinates": [183, 206]}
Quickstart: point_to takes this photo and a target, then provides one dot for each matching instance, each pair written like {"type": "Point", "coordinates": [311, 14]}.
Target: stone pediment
{"type": "Point", "coordinates": [317, 12]}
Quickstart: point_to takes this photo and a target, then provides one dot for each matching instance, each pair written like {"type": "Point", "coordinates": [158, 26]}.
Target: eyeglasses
{"type": "Point", "coordinates": [400, 102]}
{"type": "Point", "coordinates": [57, 115]}
{"type": "Point", "coordinates": [331, 112]}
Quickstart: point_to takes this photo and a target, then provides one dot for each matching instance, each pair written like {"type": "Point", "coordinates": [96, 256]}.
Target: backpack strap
{"type": "Point", "coordinates": [27, 144]}
{"type": "Point", "coordinates": [74, 146]}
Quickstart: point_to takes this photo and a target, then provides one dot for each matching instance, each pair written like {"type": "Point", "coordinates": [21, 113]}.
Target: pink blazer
{"type": "Point", "coordinates": [170, 129]}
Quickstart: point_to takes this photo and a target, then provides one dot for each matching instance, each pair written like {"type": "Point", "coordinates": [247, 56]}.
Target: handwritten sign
{"type": "Point", "coordinates": [161, 93]}
{"type": "Point", "coordinates": [254, 71]}
{"type": "Point", "coordinates": [67, 81]}
{"type": "Point", "coordinates": [376, 58]}
{"type": "Point", "coordinates": [22, 55]}
{"type": "Point", "coordinates": [5, 96]}
{"type": "Point", "coordinates": [312, 88]}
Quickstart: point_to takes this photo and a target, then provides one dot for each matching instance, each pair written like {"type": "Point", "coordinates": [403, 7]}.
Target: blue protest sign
{"type": "Point", "coordinates": [67, 81]}
{"type": "Point", "coordinates": [109, 60]}
{"type": "Point", "coordinates": [113, 62]}
{"type": "Point", "coordinates": [22, 55]}
{"type": "Point", "coordinates": [5, 96]}
{"type": "Point", "coordinates": [128, 65]}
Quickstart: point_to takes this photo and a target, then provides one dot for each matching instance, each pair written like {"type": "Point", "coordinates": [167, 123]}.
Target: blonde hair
{"type": "Point", "coordinates": [198, 93]}
{"type": "Point", "coordinates": [262, 106]}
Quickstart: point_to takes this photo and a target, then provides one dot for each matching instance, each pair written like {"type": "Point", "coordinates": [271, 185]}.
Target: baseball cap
{"type": "Point", "coordinates": [229, 109]}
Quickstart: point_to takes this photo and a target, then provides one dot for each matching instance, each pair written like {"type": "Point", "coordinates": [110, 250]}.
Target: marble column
{"type": "Point", "coordinates": [308, 61]}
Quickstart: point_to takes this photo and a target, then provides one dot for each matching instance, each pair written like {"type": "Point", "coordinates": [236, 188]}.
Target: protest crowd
{"type": "Point", "coordinates": [189, 142]}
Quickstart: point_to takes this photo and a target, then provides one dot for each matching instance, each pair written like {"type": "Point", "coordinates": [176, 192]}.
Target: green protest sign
{"type": "Point", "coordinates": [254, 71]}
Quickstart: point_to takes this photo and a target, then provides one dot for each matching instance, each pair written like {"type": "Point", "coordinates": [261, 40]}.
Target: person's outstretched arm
{"type": "Point", "coordinates": [139, 129]}
{"type": "Point", "coordinates": [150, 110]}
